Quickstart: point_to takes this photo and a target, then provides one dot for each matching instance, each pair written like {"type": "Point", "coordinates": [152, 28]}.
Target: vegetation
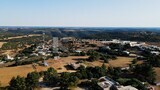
{"type": "Point", "coordinates": [32, 80]}
{"type": "Point", "coordinates": [28, 83]}
{"type": "Point", "coordinates": [134, 75]}
{"type": "Point", "coordinates": [17, 83]}
{"type": "Point", "coordinates": [91, 85]}
{"type": "Point", "coordinates": [20, 42]}
{"type": "Point", "coordinates": [133, 82]}
{"type": "Point", "coordinates": [146, 36]}
{"type": "Point", "coordinates": [144, 72]}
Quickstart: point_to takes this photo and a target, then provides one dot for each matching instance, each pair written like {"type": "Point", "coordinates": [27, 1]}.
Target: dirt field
{"type": "Point", "coordinates": [154, 43]}
{"type": "Point", "coordinates": [157, 70]}
{"type": "Point", "coordinates": [10, 52]}
{"type": "Point", "coordinates": [1, 43]}
{"type": "Point", "coordinates": [121, 62]}
{"type": "Point", "coordinates": [31, 35]}
{"type": "Point", "coordinates": [7, 73]}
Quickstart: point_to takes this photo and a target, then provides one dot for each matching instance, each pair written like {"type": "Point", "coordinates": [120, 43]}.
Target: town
{"type": "Point", "coordinates": [80, 64]}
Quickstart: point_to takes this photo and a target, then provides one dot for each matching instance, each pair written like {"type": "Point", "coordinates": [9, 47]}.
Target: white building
{"type": "Point", "coordinates": [106, 83]}
{"type": "Point", "coordinates": [9, 57]}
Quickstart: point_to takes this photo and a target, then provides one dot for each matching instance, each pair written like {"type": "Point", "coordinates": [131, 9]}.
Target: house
{"type": "Point", "coordinates": [125, 68]}
{"type": "Point", "coordinates": [106, 83]}
{"type": "Point", "coordinates": [78, 51]}
{"type": "Point", "coordinates": [155, 52]}
{"type": "Point", "coordinates": [9, 57]}
{"type": "Point", "coordinates": [76, 65]}
{"type": "Point", "coordinates": [158, 83]}
{"type": "Point", "coordinates": [126, 52]}
{"type": "Point", "coordinates": [45, 63]}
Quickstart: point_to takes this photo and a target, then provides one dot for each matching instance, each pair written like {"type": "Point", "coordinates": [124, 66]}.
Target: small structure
{"type": "Point", "coordinates": [76, 66]}
{"type": "Point", "coordinates": [78, 51]}
{"type": "Point", "coordinates": [106, 83]}
{"type": "Point", "coordinates": [158, 83]}
{"type": "Point", "coordinates": [45, 63]}
{"type": "Point", "coordinates": [9, 57]}
{"type": "Point", "coordinates": [155, 52]}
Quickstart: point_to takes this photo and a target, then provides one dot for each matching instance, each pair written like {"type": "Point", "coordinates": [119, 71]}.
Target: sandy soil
{"type": "Point", "coordinates": [1, 43]}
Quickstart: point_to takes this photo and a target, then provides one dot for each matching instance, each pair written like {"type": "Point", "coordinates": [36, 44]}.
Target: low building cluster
{"type": "Point", "coordinates": [106, 83]}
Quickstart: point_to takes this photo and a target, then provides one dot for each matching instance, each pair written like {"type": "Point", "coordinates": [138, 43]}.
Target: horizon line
{"type": "Point", "coordinates": [83, 26]}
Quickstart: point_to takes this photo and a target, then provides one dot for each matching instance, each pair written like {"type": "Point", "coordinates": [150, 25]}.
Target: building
{"type": "Point", "coordinates": [106, 83]}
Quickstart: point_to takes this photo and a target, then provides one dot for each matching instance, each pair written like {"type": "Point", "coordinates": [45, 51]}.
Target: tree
{"type": "Point", "coordinates": [133, 82]}
{"type": "Point", "coordinates": [82, 53]}
{"type": "Point", "coordinates": [134, 61]}
{"type": "Point", "coordinates": [113, 87]}
{"type": "Point", "coordinates": [32, 80]}
{"type": "Point", "coordinates": [145, 72]}
{"type": "Point", "coordinates": [94, 56]}
{"type": "Point", "coordinates": [105, 60]}
{"type": "Point", "coordinates": [17, 83]}
{"type": "Point", "coordinates": [51, 77]}
{"type": "Point", "coordinates": [114, 72]}
{"type": "Point", "coordinates": [103, 70]}
{"type": "Point", "coordinates": [91, 85]}
{"type": "Point", "coordinates": [154, 60]}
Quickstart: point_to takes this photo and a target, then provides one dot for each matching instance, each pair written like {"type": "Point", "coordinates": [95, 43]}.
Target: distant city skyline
{"type": "Point", "coordinates": [80, 13]}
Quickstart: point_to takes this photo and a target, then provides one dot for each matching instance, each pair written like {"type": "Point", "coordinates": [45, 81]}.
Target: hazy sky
{"type": "Point", "coordinates": [88, 13]}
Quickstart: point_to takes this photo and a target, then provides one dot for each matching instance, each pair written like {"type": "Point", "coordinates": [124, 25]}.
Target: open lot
{"type": "Point", "coordinates": [1, 43]}
{"type": "Point", "coordinates": [154, 43]}
{"type": "Point", "coordinates": [157, 70]}
{"type": "Point", "coordinates": [7, 73]}
{"type": "Point", "coordinates": [121, 62]}
{"type": "Point", "coordinates": [31, 35]}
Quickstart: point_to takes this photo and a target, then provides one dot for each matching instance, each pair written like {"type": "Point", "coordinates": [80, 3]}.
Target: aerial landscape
{"type": "Point", "coordinates": [79, 45]}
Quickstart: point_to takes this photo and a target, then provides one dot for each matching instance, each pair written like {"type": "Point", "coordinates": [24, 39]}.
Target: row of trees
{"type": "Point", "coordinates": [133, 76]}
{"type": "Point", "coordinates": [53, 79]}
{"type": "Point", "coordinates": [125, 35]}
{"type": "Point", "coordinates": [21, 83]}
{"type": "Point", "coordinates": [65, 80]}
{"type": "Point", "coordinates": [20, 42]}
{"type": "Point", "coordinates": [94, 55]}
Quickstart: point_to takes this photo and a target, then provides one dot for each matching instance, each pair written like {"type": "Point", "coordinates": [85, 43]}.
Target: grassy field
{"type": "Point", "coordinates": [31, 35]}
{"type": "Point", "coordinates": [7, 73]}
{"type": "Point", "coordinates": [157, 70]}
{"type": "Point", "coordinates": [154, 43]}
{"type": "Point", "coordinates": [121, 62]}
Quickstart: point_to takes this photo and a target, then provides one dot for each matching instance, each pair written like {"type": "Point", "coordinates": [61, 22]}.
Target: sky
{"type": "Point", "coordinates": [80, 13]}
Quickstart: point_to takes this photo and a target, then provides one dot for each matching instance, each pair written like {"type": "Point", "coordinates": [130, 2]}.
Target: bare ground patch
{"type": "Point", "coordinates": [7, 73]}
{"type": "Point", "coordinates": [1, 44]}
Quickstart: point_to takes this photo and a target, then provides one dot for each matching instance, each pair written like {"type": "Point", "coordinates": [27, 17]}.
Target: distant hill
{"type": "Point", "coordinates": [134, 34]}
